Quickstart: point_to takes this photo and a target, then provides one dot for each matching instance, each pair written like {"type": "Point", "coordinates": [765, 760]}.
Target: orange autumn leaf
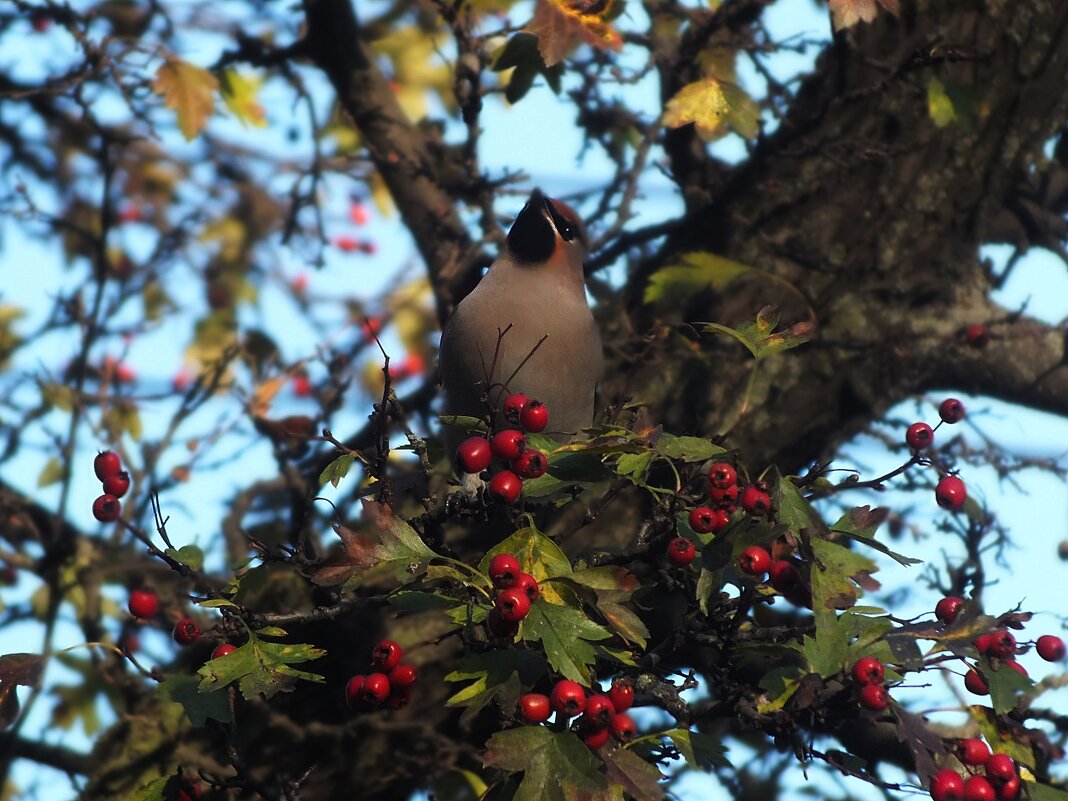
{"type": "Point", "coordinates": [189, 90]}
{"type": "Point", "coordinates": [562, 25]}
{"type": "Point", "coordinates": [847, 13]}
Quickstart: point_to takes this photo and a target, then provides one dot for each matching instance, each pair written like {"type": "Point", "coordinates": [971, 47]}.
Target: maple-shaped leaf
{"type": "Point", "coordinates": [927, 748]}
{"type": "Point", "coordinates": [835, 575]}
{"type": "Point", "coordinates": [398, 553]}
{"type": "Point", "coordinates": [607, 589]}
{"type": "Point", "coordinates": [715, 107]}
{"type": "Point", "coordinates": [355, 555]}
{"type": "Point", "coordinates": [695, 272]}
{"type": "Point", "coordinates": [760, 336]}
{"type": "Point", "coordinates": [239, 92]}
{"type": "Point", "coordinates": [556, 765]}
{"type": "Point", "coordinates": [566, 634]}
{"type": "Point", "coordinates": [637, 778]}
{"type": "Point", "coordinates": [260, 667]}
{"type": "Point", "coordinates": [847, 13]}
{"type": "Point", "coordinates": [495, 675]}
{"type": "Point", "coordinates": [189, 90]}
{"type": "Point", "coordinates": [562, 25]}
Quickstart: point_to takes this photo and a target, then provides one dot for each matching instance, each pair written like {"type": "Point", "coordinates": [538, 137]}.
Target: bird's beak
{"type": "Point", "coordinates": [532, 238]}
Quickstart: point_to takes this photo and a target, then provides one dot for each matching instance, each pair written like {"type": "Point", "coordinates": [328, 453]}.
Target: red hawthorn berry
{"type": "Point", "coordinates": [594, 737]}
{"type": "Point", "coordinates": [1012, 663]}
{"type": "Point", "coordinates": [1002, 644]}
{"type": "Point", "coordinates": [568, 698]}
{"type": "Point", "coordinates": [721, 476]}
{"type": "Point", "coordinates": [534, 708]}
{"type": "Point", "coordinates": [975, 683]}
{"type": "Point", "coordinates": [973, 751]}
{"type": "Point", "coordinates": [107, 508]}
{"type": "Point", "coordinates": [474, 454]}
{"type": "Point", "coordinates": [621, 695]}
{"type": "Point", "coordinates": [512, 605]}
{"type": "Point", "coordinates": [947, 785]}
{"type": "Point", "coordinates": [1008, 791]}
{"type": "Point", "coordinates": [702, 519]}
{"type": "Point", "coordinates": [186, 631]}
{"type": "Point", "coordinates": [530, 464]}
{"type": "Point", "coordinates": [977, 788]}
{"type": "Point", "coordinates": [534, 417]}
{"type": "Point", "coordinates": [504, 570]}
{"type": "Point", "coordinates": [508, 444]}
{"type": "Point", "coordinates": [951, 411]}
{"type": "Point", "coordinates": [40, 23]}
{"type": "Point", "coordinates": [784, 575]}
{"type": "Point", "coordinates": [599, 710]}
{"type": "Point", "coordinates": [499, 627]}
{"type": "Point", "coordinates": [951, 493]}
{"type": "Point", "coordinates": [386, 655]}
{"type": "Point", "coordinates": [799, 595]}
{"type": "Point", "coordinates": [1000, 767]}
{"type": "Point", "coordinates": [302, 386]}
{"type": "Point", "coordinates": [868, 670]}
{"type": "Point", "coordinates": [681, 552]}
{"type": "Point", "coordinates": [1050, 648]}
{"type": "Point", "coordinates": [403, 676]}
{"type": "Point", "coordinates": [725, 496]}
{"type": "Point", "coordinates": [358, 213]}
{"type": "Point", "coordinates": [375, 689]}
{"type": "Point", "coordinates": [984, 643]}
{"type": "Point", "coordinates": [977, 335]}
{"type": "Point", "coordinates": [117, 484]}
{"type": "Point", "coordinates": [506, 486]}
{"type": "Point", "coordinates": [222, 649]}
{"type": "Point", "coordinates": [948, 608]}
{"type": "Point", "coordinates": [754, 561]}
{"type": "Point", "coordinates": [623, 728]}
{"type": "Point", "coordinates": [874, 697]}
{"type": "Point", "coordinates": [513, 407]}
{"type": "Point", "coordinates": [528, 585]}
{"type": "Point", "coordinates": [106, 463]}
{"type": "Point", "coordinates": [919, 436]}
{"type": "Point", "coordinates": [143, 603]}
{"type": "Point", "coordinates": [756, 501]}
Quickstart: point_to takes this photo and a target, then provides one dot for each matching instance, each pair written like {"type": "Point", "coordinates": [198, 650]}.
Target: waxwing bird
{"type": "Point", "coordinates": [533, 293]}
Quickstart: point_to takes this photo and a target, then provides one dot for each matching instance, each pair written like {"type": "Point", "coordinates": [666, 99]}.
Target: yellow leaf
{"type": "Point", "coordinates": [561, 25]}
{"type": "Point", "coordinates": [189, 90]}
{"type": "Point", "coordinates": [939, 106]}
{"type": "Point", "coordinates": [714, 107]}
{"type": "Point", "coordinates": [260, 402]}
{"type": "Point", "coordinates": [847, 13]}
{"type": "Point", "coordinates": [239, 92]}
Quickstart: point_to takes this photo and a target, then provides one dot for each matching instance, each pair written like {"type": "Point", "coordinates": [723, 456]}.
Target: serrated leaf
{"type": "Point", "coordinates": [760, 336]}
{"type": "Point", "coordinates": [494, 676]}
{"type": "Point", "coordinates": [51, 473]}
{"type": "Point", "coordinates": [687, 449]}
{"type": "Point", "coordinates": [996, 733]}
{"type": "Point", "coordinates": [1006, 686]}
{"type": "Point", "coordinates": [700, 751]}
{"type": "Point", "coordinates": [860, 524]}
{"type": "Point", "coordinates": [182, 689]}
{"type": "Point", "coordinates": [835, 574]}
{"type": "Point", "coordinates": [792, 509]}
{"type": "Point", "coordinates": [928, 749]}
{"type": "Point", "coordinates": [634, 466]}
{"type": "Point", "coordinates": [188, 90]}
{"type": "Point", "coordinates": [399, 552]}
{"type": "Point", "coordinates": [715, 107]}
{"type": "Point", "coordinates": [189, 555]}
{"type": "Point", "coordinates": [847, 13]}
{"type": "Point", "coordinates": [696, 272]}
{"type": "Point", "coordinates": [628, 772]}
{"type": "Point", "coordinates": [337, 469]}
{"type": "Point", "coordinates": [240, 92]}
{"type": "Point", "coordinates": [260, 668]}
{"type": "Point", "coordinates": [521, 54]}
{"type": "Point", "coordinates": [556, 765]}
{"type": "Point", "coordinates": [566, 635]}
{"type": "Point", "coordinates": [561, 25]}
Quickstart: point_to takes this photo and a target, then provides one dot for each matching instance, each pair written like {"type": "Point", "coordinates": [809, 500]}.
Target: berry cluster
{"type": "Point", "coordinates": [869, 674]}
{"type": "Point", "coordinates": [600, 715]}
{"type": "Point", "coordinates": [391, 682]}
{"type": "Point", "coordinates": [950, 492]}
{"type": "Point", "coordinates": [1000, 782]}
{"type": "Point", "coordinates": [509, 445]}
{"type": "Point", "coordinates": [115, 481]}
{"type": "Point", "coordinates": [516, 591]}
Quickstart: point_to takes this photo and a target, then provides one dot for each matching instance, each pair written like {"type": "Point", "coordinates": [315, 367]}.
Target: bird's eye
{"type": "Point", "coordinates": [567, 231]}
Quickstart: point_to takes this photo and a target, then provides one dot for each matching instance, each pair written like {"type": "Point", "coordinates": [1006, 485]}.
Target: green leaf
{"type": "Point", "coordinates": [1000, 738]}
{"type": "Point", "coordinates": [260, 668]}
{"type": "Point", "coordinates": [521, 54]}
{"type": "Point", "coordinates": [495, 675]}
{"type": "Point", "coordinates": [834, 575]}
{"type": "Point", "coordinates": [216, 603]}
{"type": "Point", "coordinates": [633, 466]}
{"type": "Point", "coordinates": [51, 473]}
{"type": "Point", "coordinates": [337, 469]}
{"type": "Point", "coordinates": [607, 589]}
{"type": "Point", "coordinates": [399, 554]}
{"type": "Point", "coordinates": [153, 791]}
{"type": "Point", "coordinates": [1006, 686]}
{"type": "Point", "coordinates": [566, 634]}
{"type": "Point", "coordinates": [696, 272]}
{"type": "Point", "coordinates": [182, 689]}
{"type": "Point", "coordinates": [760, 337]}
{"type": "Point", "coordinates": [556, 765]}
{"type": "Point", "coordinates": [189, 555]}
{"type": "Point", "coordinates": [791, 507]}
{"type": "Point", "coordinates": [1043, 792]}
{"type": "Point", "coordinates": [123, 418]}
{"type": "Point", "coordinates": [472, 424]}
{"type": "Point", "coordinates": [627, 771]}
{"type": "Point", "coordinates": [860, 524]}
{"type": "Point", "coordinates": [700, 751]}
{"type": "Point", "coordinates": [939, 106]}
{"type": "Point", "coordinates": [687, 449]}
{"type": "Point", "coordinates": [841, 640]}
{"type": "Point", "coordinates": [271, 631]}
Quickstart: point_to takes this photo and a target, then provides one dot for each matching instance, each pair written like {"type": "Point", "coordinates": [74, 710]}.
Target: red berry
{"type": "Point", "coordinates": [144, 603]}
{"type": "Point", "coordinates": [403, 676]}
{"type": "Point", "coordinates": [703, 519]}
{"type": "Point", "coordinates": [721, 476]}
{"type": "Point", "coordinates": [530, 464]}
{"type": "Point", "coordinates": [948, 608]}
{"type": "Point", "coordinates": [681, 551]}
{"type": "Point", "coordinates": [499, 627]}
{"type": "Point", "coordinates": [623, 728]}
{"type": "Point", "coordinates": [528, 585]}
{"type": "Point", "coordinates": [506, 486]}
{"type": "Point", "coordinates": [1002, 644]}
{"type": "Point", "coordinates": [474, 454]}
{"type": "Point", "coordinates": [868, 670]}
{"type": "Point", "coordinates": [534, 708]}
{"type": "Point", "coordinates": [534, 417]}
{"type": "Point", "coordinates": [386, 655]}
{"type": "Point", "coordinates": [302, 386]}
{"type": "Point", "coordinates": [1008, 791]}
{"type": "Point", "coordinates": [874, 697]}
{"type": "Point", "coordinates": [947, 785]}
{"type": "Point", "coordinates": [725, 496]}
{"type": "Point", "coordinates": [621, 695]}
{"type": "Point", "coordinates": [186, 631]}
{"type": "Point", "coordinates": [1001, 767]}
{"type": "Point", "coordinates": [977, 335]}
{"type": "Point", "coordinates": [1016, 666]}
{"type": "Point", "coordinates": [504, 570]}
{"type": "Point", "coordinates": [106, 463]}
{"type": "Point", "coordinates": [977, 788]}
{"type": "Point", "coordinates": [222, 650]}
{"type": "Point", "coordinates": [599, 710]}
{"type": "Point", "coordinates": [975, 683]}
{"type": "Point", "coordinates": [507, 445]}
{"type": "Point", "coordinates": [117, 483]}
{"type": "Point", "coordinates": [973, 751]}
{"type": "Point", "coordinates": [1050, 648]}
{"type": "Point", "coordinates": [568, 698]}
{"type": "Point", "coordinates": [756, 501]}
{"type": "Point", "coordinates": [513, 407]}
{"type": "Point", "coordinates": [919, 436]}
{"type": "Point", "coordinates": [375, 689]}
{"type": "Point", "coordinates": [512, 605]}
{"type": "Point", "coordinates": [984, 643]}
{"type": "Point", "coordinates": [951, 493]}
{"type": "Point", "coordinates": [107, 508]}
{"type": "Point", "coordinates": [783, 575]}
{"type": "Point", "coordinates": [951, 411]}
{"type": "Point", "coordinates": [754, 561]}
{"type": "Point", "coordinates": [594, 737]}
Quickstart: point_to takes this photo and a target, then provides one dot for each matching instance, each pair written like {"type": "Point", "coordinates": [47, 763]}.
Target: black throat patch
{"type": "Point", "coordinates": [532, 238]}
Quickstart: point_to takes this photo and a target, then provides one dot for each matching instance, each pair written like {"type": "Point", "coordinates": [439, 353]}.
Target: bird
{"type": "Point", "coordinates": [526, 327]}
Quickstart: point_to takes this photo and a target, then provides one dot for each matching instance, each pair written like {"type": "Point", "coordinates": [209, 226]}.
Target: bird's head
{"type": "Point", "coordinates": [548, 233]}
